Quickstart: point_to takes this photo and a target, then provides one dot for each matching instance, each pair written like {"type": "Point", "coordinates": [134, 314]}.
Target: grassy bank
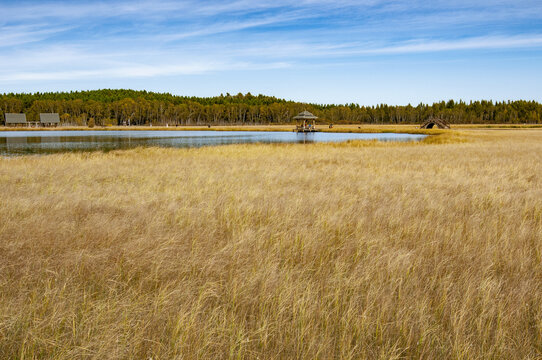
{"type": "Point", "coordinates": [336, 128]}
{"type": "Point", "coordinates": [352, 250]}
{"type": "Point", "coordinates": [161, 128]}
{"type": "Point", "coordinates": [358, 128]}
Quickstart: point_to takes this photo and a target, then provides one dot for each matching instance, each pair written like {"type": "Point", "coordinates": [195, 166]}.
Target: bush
{"type": "Point", "coordinates": [91, 123]}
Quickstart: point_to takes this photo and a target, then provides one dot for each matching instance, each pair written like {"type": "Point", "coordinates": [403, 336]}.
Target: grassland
{"type": "Point", "coordinates": [354, 250]}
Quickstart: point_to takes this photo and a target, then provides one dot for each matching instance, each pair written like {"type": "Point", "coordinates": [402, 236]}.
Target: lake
{"type": "Point", "coordinates": [46, 142]}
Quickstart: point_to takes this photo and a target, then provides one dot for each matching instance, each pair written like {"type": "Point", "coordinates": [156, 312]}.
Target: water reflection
{"type": "Point", "coordinates": [44, 142]}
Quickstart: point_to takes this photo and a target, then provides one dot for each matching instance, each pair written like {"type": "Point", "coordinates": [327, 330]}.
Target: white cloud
{"type": "Point", "coordinates": [24, 34]}
{"type": "Point", "coordinates": [116, 72]}
{"type": "Point", "coordinates": [171, 9]}
{"type": "Point", "coordinates": [235, 26]}
{"type": "Point", "coordinates": [476, 43]}
{"type": "Point", "coordinates": [74, 63]}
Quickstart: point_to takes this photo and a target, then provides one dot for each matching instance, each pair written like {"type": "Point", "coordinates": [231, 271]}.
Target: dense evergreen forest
{"type": "Point", "coordinates": [118, 107]}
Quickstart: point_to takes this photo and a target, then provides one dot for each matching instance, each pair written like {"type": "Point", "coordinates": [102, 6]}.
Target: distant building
{"type": "Point", "coordinates": [49, 119]}
{"type": "Point", "coordinates": [13, 119]}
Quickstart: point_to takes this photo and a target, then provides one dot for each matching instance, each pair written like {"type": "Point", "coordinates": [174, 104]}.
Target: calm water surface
{"type": "Point", "coordinates": [46, 142]}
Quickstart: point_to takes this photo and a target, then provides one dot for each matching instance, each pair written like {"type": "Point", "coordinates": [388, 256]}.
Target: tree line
{"type": "Point", "coordinates": [131, 107]}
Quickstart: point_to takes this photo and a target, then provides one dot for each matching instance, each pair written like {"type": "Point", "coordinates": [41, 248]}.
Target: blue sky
{"type": "Point", "coordinates": [342, 51]}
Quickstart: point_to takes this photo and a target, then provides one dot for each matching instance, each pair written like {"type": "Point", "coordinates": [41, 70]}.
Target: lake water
{"type": "Point", "coordinates": [45, 142]}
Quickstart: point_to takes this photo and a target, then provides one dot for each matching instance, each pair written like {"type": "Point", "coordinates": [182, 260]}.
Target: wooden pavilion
{"type": "Point", "coordinates": [306, 126]}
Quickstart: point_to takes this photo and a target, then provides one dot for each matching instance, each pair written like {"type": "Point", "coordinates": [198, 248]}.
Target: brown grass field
{"type": "Point", "coordinates": [352, 251]}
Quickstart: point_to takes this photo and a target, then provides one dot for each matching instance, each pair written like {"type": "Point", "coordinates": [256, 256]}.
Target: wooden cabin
{"type": "Point", "coordinates": [49, 119]}
{"type": "Point", "coordinates": [306, 126]}
{"type": "Point", "coordinates": [13, 119]}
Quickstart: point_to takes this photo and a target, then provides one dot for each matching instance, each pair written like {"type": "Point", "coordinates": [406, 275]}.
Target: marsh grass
{"type": "Point", "coordinates": [355, 250]}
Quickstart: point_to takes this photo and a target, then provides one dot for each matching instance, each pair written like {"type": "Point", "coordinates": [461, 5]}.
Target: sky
{"type": "Point", "coordinates": [343, 51]}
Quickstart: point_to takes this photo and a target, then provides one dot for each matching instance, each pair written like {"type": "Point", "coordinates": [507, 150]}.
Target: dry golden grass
{"type": "Point", "coordinates": [324, 251]}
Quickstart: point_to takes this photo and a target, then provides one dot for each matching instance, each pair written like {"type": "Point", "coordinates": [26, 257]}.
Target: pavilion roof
{"type": "Point", "coordinates": [305, 115]}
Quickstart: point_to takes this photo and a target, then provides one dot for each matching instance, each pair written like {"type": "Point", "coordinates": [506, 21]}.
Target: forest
{"type": "Point", "coordinates": [130, 107]}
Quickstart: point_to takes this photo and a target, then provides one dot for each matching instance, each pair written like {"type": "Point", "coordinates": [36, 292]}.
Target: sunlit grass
{"type": "Point", "coordinates": [351, 250]}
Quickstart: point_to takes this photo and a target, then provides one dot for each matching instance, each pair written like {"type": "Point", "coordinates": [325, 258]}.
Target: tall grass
{"type": "Point", "coordinates": [276, 251]}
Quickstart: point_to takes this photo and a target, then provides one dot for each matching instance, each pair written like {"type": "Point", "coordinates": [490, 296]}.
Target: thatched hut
{"type": "Point", "coordinates": [434, 122]}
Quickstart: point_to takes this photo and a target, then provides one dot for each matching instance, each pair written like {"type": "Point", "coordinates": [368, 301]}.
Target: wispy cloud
{"type": "Point", "coordinates": [172, 9]}
{"type": "Point", "coordinates": [140, 71]}
{"type": "Point", "coordinates": [76, 63]}
{"type": "Point", "coordinates": [476, 43]}
{"type": "Point", "coordinates": [82, 64]}
{"type": "Point", "coordinates": [115, 72]}
{"type": "Point", "coordinates": [226, 27]}
{"type": "Point", "coordinates": [28, 33]}
{"type": "Point", "coordinates": [73, 10]}
{"type": "Point", "coordinates": [312, 49]}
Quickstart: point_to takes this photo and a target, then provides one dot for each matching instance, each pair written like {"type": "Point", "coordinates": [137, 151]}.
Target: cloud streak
{"type": "Point", "coordinates": [24, 34]}
{"type": "Point", "coordinates": [141, 71]}
{"type": "Point", "coordinates": [477, 43]}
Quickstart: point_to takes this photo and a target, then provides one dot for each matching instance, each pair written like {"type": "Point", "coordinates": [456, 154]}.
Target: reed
{"type": "Point", "coordinates": [355, 250]}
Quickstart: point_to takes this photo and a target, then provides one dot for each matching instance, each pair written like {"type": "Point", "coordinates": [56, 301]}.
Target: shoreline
{"type": "Point", "coordinates": [406, 129]}
{"type": "Point", "coordinates": [347, 128]}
